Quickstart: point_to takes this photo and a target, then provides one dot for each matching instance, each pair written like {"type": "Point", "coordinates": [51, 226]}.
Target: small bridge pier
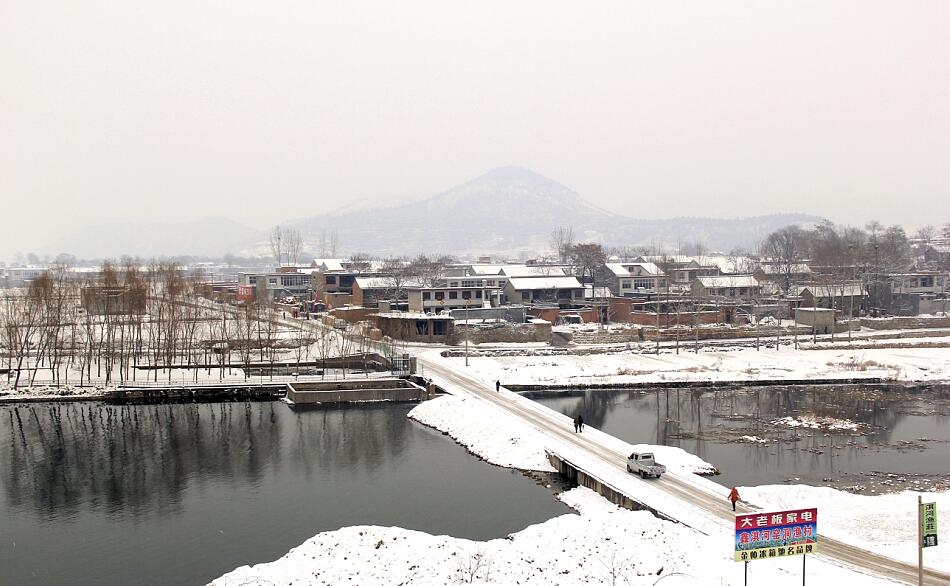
{"type": "Point", "coordinates": [581, 477]}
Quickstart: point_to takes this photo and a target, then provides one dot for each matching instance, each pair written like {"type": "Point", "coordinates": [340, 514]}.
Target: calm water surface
{"type": "Point", "coordinates": [179, 494]}
{"type": "Point", "coordinates": [904, 431]}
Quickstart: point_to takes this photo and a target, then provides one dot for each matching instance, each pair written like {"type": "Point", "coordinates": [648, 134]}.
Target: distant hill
{"type": "Point", "coordinates": [511, 209]}
{"type": "Point", "coordinates": [213, 236]}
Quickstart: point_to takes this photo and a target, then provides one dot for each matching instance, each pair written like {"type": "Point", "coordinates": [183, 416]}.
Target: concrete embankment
{"type": "Point", "coordinates": [707, 384]}
{"type": "Point", "coordinates": [352, 391]}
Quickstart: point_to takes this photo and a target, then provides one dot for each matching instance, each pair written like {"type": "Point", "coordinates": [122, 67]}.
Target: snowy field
{"type": "Point", "coordinates": [726, 364]}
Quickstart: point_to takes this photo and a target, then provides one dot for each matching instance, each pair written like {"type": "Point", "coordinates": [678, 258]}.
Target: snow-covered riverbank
{"type": "Point", "coordinates": [603, 544]}
{"type": "Point", "coordinates": [711, 365]}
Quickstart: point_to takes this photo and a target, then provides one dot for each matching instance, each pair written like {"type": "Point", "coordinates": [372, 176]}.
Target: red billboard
{"type": "Point", "coordinates": [773, 535]}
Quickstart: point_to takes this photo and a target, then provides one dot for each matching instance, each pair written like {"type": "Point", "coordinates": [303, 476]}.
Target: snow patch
{"type": "Point", "coordinates": [823, 423]}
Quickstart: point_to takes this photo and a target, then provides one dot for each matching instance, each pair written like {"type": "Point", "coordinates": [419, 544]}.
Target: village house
{"type": "Point", "coordinates": [369, 291]}
{"type": "Point", "coordinates": [779, 277]}
{"type": "Point", "coordinates": [743, 287]}
{"type": "Point", "coordinates": [681, 270]}
{"type": "Point", "coordinates": [270, 286]}
{"type": "Point", "coordinates": [637, 279]}
{"type": "Point", "coordinates": [415, 327]}
{"type": "Point", "coordinates": [561, 291]}
{"type": "Point", "coordinates": [930, 282]}
{"type": "Point", "coordinates": [439, 299]}
{"type": "Point", "coordinates": [840, 296]}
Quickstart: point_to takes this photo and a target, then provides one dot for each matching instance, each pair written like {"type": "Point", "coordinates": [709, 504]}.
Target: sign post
{"type": "Point", "coordinates": [926, 533]}
{"type": "Point", "coordinates": [776, 535]}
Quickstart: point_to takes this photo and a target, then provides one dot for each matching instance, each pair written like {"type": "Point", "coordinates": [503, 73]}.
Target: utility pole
{"type": "Point", "coordinates": [851, 311]}
{"type": "Point", "coordinates": [920, 541]}
{"type": "Point", "coordinates": [466, 331]}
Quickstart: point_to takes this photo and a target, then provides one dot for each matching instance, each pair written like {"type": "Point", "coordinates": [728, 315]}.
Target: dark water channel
{"type": "Point", "coordinates": [903, 439]}
{"type": "Point", "coordinates": [179, 494]}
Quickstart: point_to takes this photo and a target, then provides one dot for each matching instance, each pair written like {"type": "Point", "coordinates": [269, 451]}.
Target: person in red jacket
{"type": "Point", "coordinates": [733, 496]}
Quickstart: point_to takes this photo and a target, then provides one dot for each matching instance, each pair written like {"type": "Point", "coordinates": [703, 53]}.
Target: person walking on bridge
{"type": "Point", "coordinates": [577, 424]}
{"type": "Point", "coordinates": [580, 423]}
{"type": "Point", "coordinates": [733, 496]}
{"type": "Point", "coordinates": [498, 386]}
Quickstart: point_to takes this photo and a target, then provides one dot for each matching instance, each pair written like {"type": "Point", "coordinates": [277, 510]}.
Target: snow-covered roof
{"type": "Point", "coordinates": [679, 259]}
{"type": "Point", "coordinates": [413, 315]}
{"type": "Point", "coordinates": [486, 270]}
{"type": "Point", "coordinates": [625, 269]}
{"type": "Point", "coordinates": [328, 264]}
{"type": "Point", "coordinates": [532, 271]}
{"type": "Point", "coordinates": [729, 281]}
{"type": "Point", "coordinates": [385, 283]}
{"type": "Point", "coordinates": [779, 269]}
{"type": "Point", "coordinates": [727, 264]}
{"type": "Point", "coordinates": [617, 269]}
{"type": "Point", "coordinates": [831, 290]}
{"type": "Point", "coordinates": [533, 283]}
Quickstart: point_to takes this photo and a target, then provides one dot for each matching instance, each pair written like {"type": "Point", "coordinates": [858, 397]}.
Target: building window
{"type": "Point", "coordinates": [252, 280]}
{"type": "Point", "coordinates": [272, 281]}
{"type": "Point", "coordinates": [478, 294]}
{"type": "Point", "coordinates": [426, 296]}
{"type": "Point", "coordinates": [490, 282]}
{"type": "Point", "coordinates": [439, 295]}
{"type": "Point", "coordinates": [466, 294]}
{"type": "Point", "coordinates": [625, 284]}
{"type": "Point", "coordinates": [453, 294]}
{"type": "Point", "coordinates": [331, 279]}
{"type": "Point", "coordinates": [468, 283]}
{"type": "Point", "coordinates": [454, 284]}
{"type": "Point", "coordinates": [525, 295]}
{"type": "Point", "coordinates": [501, 283]}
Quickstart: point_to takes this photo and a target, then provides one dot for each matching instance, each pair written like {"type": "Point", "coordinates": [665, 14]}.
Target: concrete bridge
{"type": "Point", "coordinates": [596, 460]}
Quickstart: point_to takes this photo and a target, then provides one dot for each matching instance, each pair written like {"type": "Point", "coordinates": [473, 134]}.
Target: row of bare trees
{"type": "Point", "coordinates": [64, 330]}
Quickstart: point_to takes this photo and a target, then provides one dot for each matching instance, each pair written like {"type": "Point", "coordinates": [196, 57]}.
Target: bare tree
{"type": "Point", "coordinates": [588, 257]}
{"type": "Point", "coordinates": [786, 248]}
{"type": "Point", "coordinates": [926, 233]}
{"type": "Point", "coordinates": [398, 274]}
{"type": "Point", "coordinates": [293, 244]}
{"type": "Point", "coordinates": [361, 262]}
{"type": "Point", "coordinates": [277, 244]}
{"type": "Point", "coordinates": [429, 270]}
{"type": "Point", "coordinates": [562, 240]}
{"type": "Point", "coordinates": [334, 244]}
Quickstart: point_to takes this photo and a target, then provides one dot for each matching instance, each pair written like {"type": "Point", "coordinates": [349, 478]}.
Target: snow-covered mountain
{"type": "Point", "coordinates": [512, 209]}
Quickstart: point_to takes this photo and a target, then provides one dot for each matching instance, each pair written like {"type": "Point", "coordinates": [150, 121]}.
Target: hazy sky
{"type": "Point", "coordinates": [114, 111]}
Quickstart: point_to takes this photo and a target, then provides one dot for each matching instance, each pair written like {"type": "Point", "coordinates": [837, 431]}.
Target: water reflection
{"type": "Point", "coordinates": [711, 422]}
{"type": "Point", "coordinates": [174, 494]}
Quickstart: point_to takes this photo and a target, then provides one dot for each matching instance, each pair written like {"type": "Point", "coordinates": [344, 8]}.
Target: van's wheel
{"type": "Point", "coordinates": [642, 475]}
{"type": "Point", "coordinates": [629, 469]}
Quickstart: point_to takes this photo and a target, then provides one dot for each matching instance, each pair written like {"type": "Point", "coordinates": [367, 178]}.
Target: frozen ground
{"type": "Point", "coordinates": [725, 364]}
{"type": "Point", "coordinates": [884, 523]}
{"type": "Point", "coordinates": [603, 544]}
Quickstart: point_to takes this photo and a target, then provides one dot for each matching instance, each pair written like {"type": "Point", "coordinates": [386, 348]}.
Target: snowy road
{"type": "Point", "coordinates": [702, 503]}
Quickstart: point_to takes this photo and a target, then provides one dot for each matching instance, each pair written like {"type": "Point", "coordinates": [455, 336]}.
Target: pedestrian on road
{"type": "Point", "coordinates": [580, 423]}
{"type": "Point", "coordinates": [498, 386]}
{"type": "Point", "coordinates": [733, 496]}
{"type": "Point", "coordinates": [577, 423]}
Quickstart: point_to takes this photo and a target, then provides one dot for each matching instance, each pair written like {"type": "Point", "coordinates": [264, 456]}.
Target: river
{"type": "Point", "coordinates": [179, 494]}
